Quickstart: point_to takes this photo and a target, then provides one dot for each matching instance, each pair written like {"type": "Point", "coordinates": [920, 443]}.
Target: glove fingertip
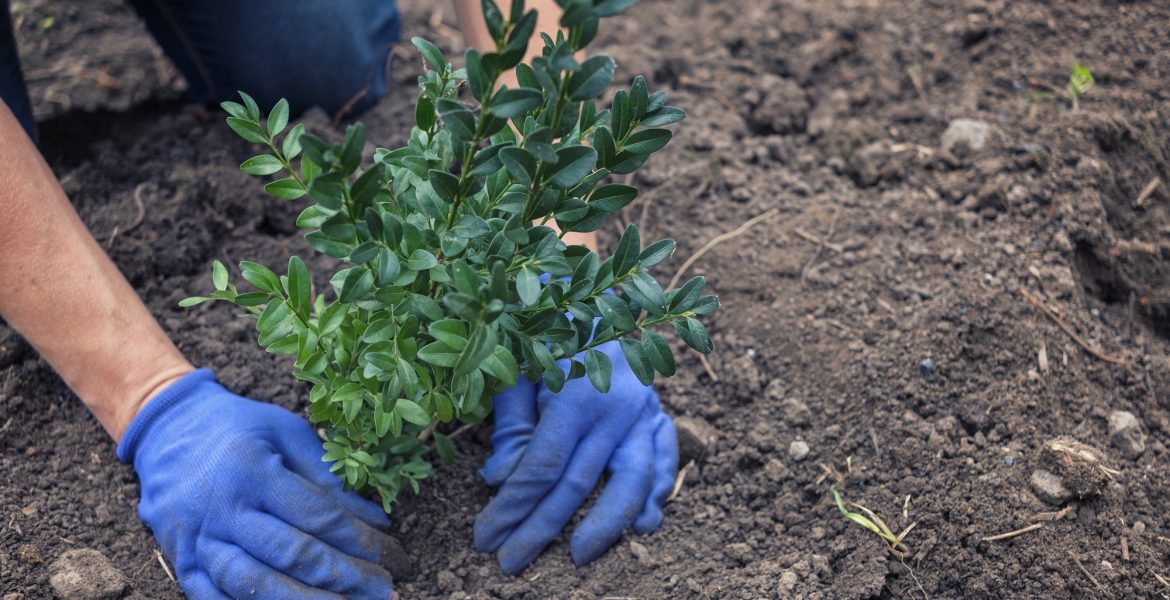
{"type": "Point", "coordinates": [587, 548]}
{"type": "Point", "coordinates": [649, 521]}
{"type": "Point", "coordinates": [501, 464]}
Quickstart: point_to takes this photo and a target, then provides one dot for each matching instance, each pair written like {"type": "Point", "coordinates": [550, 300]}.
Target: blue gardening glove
{"type": "Point", "coordinates": [242, 505]}
{"type": "Point", "coordinates": [550, 450]}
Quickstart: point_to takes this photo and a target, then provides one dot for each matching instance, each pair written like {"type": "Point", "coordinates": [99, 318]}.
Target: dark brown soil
{"type": "Point", "coordinates": [900, 349]}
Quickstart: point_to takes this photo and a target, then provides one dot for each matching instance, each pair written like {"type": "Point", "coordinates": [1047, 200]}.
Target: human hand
{"type": "Point", "coordinates": [242, 505]}
{"type": "Point", "coordinates": [550, 451]}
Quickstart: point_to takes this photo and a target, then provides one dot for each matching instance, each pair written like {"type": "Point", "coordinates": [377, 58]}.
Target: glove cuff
{"type": "Point", "coordinates": [159, 406]}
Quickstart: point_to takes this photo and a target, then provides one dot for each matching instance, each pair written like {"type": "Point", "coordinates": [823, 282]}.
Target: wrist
{"type": "Point", "coordinates": [158, 405]}
{"type": "Point", "coordinates": [142, 392]}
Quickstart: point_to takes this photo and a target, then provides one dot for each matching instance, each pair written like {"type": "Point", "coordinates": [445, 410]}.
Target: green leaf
{"type": "Point", "coordinates": [647, 141]}
{"type": "Point", "coordinates": [616, 313]}
{"type": "Point", "coordinates": [411, 412]}
{"type": "Point", "coordinates": [694, 334]}
{"type": "Point", "coordinates": [450, 332]}
{"type": "Point", "coordinates": [612, 197]}
{"type": "Point", "coordinates": [424, 113]}
{"type": "Point", "coordinates": [298, 285]}
{"type": "Point", "coordinates": [277, 117]}
{"type": "Point", "coordinates": [528, 286]}
{"type": "Point", "coordinates": [249, 130]}
{"type": "Point", "coordinates": [686, 296]}
{"type": "Point", "coordinates": [501, 365]}
{"type": "Point", "coordinates": [625, 258]}
{"type": "Point", "coordinates": [445, 184]}
{"type": "Point", "coordinates": [192, 301]}
{"type": "Point", "coordinates": [234, 109]}
{"type": "Point", "coordinates": [510, 104]}
{"type": "Point", "coordinates": [286, 189]}
{"type": "Point", "coordinates": [444, 448]}
{"type": "Point", "coordinates": [250, 104]}
{"type": "Point", "coordinates": [470, 227]}
{"type": "Point", "coordinates": [460, 122]}
{"type": "Point", "coordinates": [664, 116]}
{"type": "Point", "coordinates": [292, 142]}
{"type": "Point", "coordinates": [609, 8]}
{"type": "Point", "coordinates": [332, 318]}
{"type": "Point", "coordinates": [658, 352]}
{"type": "Point", "coordinates": [493, 18]}
{"type": "Point", "coordinates": [264, 164]}
{"type": "Point", "coordinates": [479, 347]}
{"type": "Point", "coordinates": [219, 275]}
{"type": "Point", "coordinates": [388, 267]}
{"type": "Point", "coordinates": [356, 285]}
{"type": "Point", "coordinates": [599, 369]}
{"type": "Point", "coordinates": [573, 163]}
{"type": "Point", "coordinates": [636, 357]}
{"type": "Point", "coordinates": [421, 260]}
{"type": "Point", "coordinates": [430, 54]}
{"type": "Point", "coordinates": [656, 253]}
{"type": "Point", "coordinates": [520, 164]}
{"type": "Point", "coordinates": [439, 354]}
{"type": "Point", "coordinates": [591, 79]}
{"type": "Point", "coordinates": [706, 305]}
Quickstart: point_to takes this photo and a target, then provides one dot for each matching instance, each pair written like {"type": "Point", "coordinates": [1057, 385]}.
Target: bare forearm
{"type": "Point", "coordinates": [68, 299]}
{"type": "Point", "coordinates": [475, 34]}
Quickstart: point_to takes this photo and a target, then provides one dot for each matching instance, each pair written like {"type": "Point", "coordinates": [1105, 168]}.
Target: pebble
{"type": "Point", "coordinates": [448, 581]}
{"type": "Point", "coordinates": [1050, 488]}
{"type": "Point", "coordinates": [739, 551]}
{"type": "Point", "coordinates": [642, 554]}
{"type": "Point", "coordinates": [1125, 433]}
{"type": "Point", "coordinates": [797, 450]}
{"type": "Point", "coordinates": [695, 438]}
{"type": "Point", "coordinates": [927, 367]}
{"type": "Point", "coordinates": [965, 136]}
{"type": "Point", "coordinates": [86, 574]}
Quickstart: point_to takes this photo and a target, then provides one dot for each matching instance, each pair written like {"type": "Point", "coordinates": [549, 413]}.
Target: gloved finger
{"type": "Point", "coordinates": [200, 587]}
{"type": "Point", "coordinates": [538, 471]}
{"type": "Point", "coordinates": [665, 471]}
{"type": "Point", "coordinates": [623, 497]}
{"type": "Point", "coordinates": [515, 421]}
{"type": "Point", "coordinates": [307, 507]}
{"type": "Point", "coordinates": [556, 509]}
{"type": "Point", "coordinates": [302, 455]}
{"type": "Point", "coordinates": [312, 562]}
{"type": "Point", "coordinates": [239, 575]}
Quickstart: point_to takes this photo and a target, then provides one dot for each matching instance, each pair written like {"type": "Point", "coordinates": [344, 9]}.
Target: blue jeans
{"type": "Point", "coordinates": [323, 53]}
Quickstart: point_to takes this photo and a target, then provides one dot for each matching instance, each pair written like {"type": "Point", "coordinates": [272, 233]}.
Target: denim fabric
{"type": "Point", "coordinates": [313, 52]}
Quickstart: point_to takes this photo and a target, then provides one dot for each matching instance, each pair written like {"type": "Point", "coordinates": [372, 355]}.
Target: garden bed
{"type": "Point", "coordinates": [874, 313]}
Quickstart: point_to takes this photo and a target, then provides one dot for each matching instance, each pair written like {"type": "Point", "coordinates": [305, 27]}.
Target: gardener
{"type": "Point", "coordinates": [235, 490]}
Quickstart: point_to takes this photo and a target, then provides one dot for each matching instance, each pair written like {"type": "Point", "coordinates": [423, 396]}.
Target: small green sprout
{"type": "Point", "coordinates": [1080, 80]}
{"type": "Point", "coordinates": [876, 525]}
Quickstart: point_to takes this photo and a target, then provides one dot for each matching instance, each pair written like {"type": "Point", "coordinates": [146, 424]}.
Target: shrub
{"type": "Point", "coordinates": [454, 283]}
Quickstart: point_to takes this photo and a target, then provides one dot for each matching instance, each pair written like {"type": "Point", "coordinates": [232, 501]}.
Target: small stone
{"type": "Point", "coordinates": [86, 574]}
{"type": "Point", "coordinates": [763, 437]}
{"type": "Point", "coordinates": [14, 596]}
{"type": "Point", "coordinates": [102, 516]}
{"type": "Point", "coordinates": [788, 582]}
{"type": "Point", "coordinates": [642, 554]}
{"type": "Point", "coordinates": [927, 367]}
{"type": "Point", "coordinates": [1125, 433]}
{"type": "Point", "coordinates": [695, 438]}
{"type": "Point", "coordinates": [797, 450]}
{"type": "Point", "coordinates": [1081, 467]}
{"type": "Point", "coordinates": [448, 581]}
{"type": "Point", "coordinates": [1050, 488]}
{"type": "Point", "coordinates": [964, 137]}
{"type": "Point", "coordinates": [784, 108]}
{"type": "Point", "coordinates": [739, 551]}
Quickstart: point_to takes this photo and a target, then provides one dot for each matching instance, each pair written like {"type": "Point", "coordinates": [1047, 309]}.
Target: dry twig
{"type": "Point", "coordinates": [138, 216]}
{"type": "Point", "coordinates": [1065, 327]}
{"type": "Point", "coordinates": [1012, 534]}
{"type": "Point", "coordinates": [165, 567]}
{"type": "Point", "coordinates": [719, 239]}
{"type": "Point", "coordinates": [1086, 572]}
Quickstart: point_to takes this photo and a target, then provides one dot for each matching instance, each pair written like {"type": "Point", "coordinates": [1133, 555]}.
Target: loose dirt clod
{"type": "Point", "coordinates": [1080, 468]}
{"type": "Point", "coordinates": [86, 574]}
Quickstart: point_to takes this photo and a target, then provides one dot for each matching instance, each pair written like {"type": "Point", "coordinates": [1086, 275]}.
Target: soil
{"type": "Point", "coordinates": [875, 315]}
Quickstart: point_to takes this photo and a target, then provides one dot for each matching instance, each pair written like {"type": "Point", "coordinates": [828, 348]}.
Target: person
{"type": "Point", "coordinates": [233, 489]}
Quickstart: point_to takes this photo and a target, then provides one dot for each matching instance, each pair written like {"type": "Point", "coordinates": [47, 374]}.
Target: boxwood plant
{"type": "Point", "coordinates": [453, 281]}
